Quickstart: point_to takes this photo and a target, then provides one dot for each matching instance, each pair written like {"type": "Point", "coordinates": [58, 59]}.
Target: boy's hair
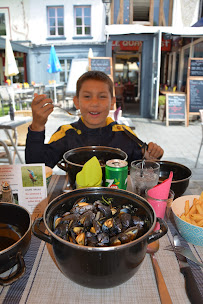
{"type": "Point", "coordinates": [94, 75]}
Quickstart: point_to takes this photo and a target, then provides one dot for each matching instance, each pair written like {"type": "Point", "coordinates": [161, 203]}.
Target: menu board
{"type": "Point", "coordinates": [196, 67]}
{"type": "Point", "coordinates": [175, 107]}
{"type": "Point", "coordinates": [103, 64]}
{"type": "Point", "coordinates": [195, 95]}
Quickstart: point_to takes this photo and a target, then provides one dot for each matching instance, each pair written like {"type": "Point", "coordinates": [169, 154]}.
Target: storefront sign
{"type": "Point", "coordinates": [127, 45]}
{"type": "Point", "coordinates": [196, 93]}
{"type": "Point", "coordinates": [195, 86]}
{"type": "Point", "coordinates": [166, 45]}
{"type": "Point", "coordinates": [103, 64]}
{"type": "Point", "coordinates": [175, 107]}
{"type": "Point", "coordinates": [196, 67]}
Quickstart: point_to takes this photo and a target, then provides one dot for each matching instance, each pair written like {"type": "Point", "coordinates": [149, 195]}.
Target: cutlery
{"type": "Point", "coordinates": [191, 287]}
{"type": "Point", "coordinates": [162, 288]}
{"type": "Point", "coordinates": [135, 138]}
{"type": "Point", "coordinates": [58, 106]}
{"type": "Point", "coordinates": [185, 252]}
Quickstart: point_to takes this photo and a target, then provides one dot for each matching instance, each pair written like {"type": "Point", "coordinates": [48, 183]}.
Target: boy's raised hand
{"type": "Point", "coordinates": [154, 151]}
{"type": "Point", "coordinates": [41, 109]}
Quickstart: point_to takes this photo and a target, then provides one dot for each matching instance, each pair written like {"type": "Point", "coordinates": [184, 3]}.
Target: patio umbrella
{"type": "Point", "coordinates": [11, 68]}
{"type": "Point", "coordinates": [53, 66]}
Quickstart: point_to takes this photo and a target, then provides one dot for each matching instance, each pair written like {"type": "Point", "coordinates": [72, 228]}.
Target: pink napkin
{"type": "Point", "coordinates": [161, 191]}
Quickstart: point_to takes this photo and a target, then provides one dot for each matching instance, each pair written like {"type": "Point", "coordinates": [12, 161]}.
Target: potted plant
{"type": "Point", "coordinates": [162, 107]}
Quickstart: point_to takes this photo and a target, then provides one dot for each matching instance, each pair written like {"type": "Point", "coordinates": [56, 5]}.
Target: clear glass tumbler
{"type": "Point", "coordinates": [144, 175]}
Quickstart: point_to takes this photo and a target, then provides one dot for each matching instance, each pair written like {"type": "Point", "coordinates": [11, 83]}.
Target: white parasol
{"type": "Point", "coordinates": [11, 68]}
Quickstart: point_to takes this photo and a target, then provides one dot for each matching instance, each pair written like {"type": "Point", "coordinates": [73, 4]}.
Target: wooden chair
{"type": "Point", "coordinates": [201, 144]}
{"type": "Point", "coordinates": [119, 92]}
{"type": "Point", "coordinates": [129, 92]}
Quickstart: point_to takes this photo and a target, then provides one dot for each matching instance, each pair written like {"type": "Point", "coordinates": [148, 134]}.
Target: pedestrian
{"type": "Point", "coordinates": [94, 98]}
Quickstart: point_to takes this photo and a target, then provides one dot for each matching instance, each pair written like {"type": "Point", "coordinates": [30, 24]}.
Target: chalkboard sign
{"type": "Point", "coordinates": [175, 107]}
{"type": "Point", "coordinates": [196, 95]}
{"type": "Point", "coordinates": [196, 67]}
{"type": "Point", "coordinates": [103, 64]}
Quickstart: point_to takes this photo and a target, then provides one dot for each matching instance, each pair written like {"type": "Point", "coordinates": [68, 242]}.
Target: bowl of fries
{"type": "Point", "coordinates": [188, 215]}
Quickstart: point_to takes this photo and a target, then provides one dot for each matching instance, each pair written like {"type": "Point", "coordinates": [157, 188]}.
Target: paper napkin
{"type": "Point", "coordinates": [90, 175]}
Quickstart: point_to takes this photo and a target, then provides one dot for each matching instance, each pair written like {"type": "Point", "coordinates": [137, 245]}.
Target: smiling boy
{"type": "Point", "coordinates": [94, 97]}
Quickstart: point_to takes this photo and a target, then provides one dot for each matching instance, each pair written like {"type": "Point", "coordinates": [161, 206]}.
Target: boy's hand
{"type": "Point", "coordinates": [154, 151]}
{"type": "Point", "coordinates": [41, 109]}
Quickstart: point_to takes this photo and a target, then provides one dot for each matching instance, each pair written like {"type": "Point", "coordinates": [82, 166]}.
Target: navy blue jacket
{"type": "Point", "coordinates": [76, 135]}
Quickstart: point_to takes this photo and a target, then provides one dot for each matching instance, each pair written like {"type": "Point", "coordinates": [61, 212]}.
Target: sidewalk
{"type": "Point", "coordinates": [180, 143]}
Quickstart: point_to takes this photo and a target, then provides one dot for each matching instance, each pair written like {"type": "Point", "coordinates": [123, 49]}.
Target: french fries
{"type": "Point", "coordinates": [194, 214]}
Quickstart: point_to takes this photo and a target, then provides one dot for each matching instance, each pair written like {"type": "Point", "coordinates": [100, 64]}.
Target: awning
{"type": "Point", "coordinates": [124, 29]}
{"type": "Point", "coordinates": [15, 46]}
{"type": "Point", "coordinates": [198, 23]}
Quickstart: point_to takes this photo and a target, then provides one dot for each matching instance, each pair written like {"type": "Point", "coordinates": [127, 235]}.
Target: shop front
{"type": "Point", "coordinates": [149, 58]}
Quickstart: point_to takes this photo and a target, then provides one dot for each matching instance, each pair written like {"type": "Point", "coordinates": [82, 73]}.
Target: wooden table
{"type": "Point", "coordinates": [44, 283]}
{"type": "Point", "coordinates": [8, 125]}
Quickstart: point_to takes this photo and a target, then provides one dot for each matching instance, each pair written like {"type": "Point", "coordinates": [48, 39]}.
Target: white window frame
{"type": "Point", "coordinates": [83, 26]}
{"type": "Point", "coordinates": [56, 19]}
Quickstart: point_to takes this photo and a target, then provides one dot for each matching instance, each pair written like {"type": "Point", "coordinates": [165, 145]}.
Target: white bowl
{"type": "Point", "coordinates": [191, 233]}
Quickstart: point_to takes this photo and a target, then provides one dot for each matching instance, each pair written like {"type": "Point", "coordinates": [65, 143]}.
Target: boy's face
{"type": "Point", "coordinates": [94, 103]}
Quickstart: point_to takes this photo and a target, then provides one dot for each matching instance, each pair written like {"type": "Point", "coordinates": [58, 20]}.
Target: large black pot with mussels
{"type": "Point", "coordinates": [102, 254]}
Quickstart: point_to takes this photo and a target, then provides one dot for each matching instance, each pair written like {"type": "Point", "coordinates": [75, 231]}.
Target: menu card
{"type": "Point", "coordinates": [28, 184]}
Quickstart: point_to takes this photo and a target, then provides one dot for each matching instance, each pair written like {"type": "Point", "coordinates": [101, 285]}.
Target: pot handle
{"type": "Point", "coordinates": [17, 274]}
{"type": "Point", "coordinates": [59, 164]}
{"type": "Point", "coordinates": [159, 233]}
{"type": "Point", "coordinates": [39, 233]}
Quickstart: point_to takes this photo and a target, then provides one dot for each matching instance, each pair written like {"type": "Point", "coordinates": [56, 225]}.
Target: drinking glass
{"type": "Point", "coordinates": [144, 175]}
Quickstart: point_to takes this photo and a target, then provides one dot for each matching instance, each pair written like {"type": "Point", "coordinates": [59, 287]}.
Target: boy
{"type": "Point", "coordinates": [94, 98]}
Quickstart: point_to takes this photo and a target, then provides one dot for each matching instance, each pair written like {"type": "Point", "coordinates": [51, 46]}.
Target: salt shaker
{"type": "Point", "coordinates": [7, 195]}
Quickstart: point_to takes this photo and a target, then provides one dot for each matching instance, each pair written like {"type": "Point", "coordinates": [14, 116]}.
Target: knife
{"type": "Point", "coordinates": [191, 287]}
{"type": "Point", "coordinates": [135, 138]}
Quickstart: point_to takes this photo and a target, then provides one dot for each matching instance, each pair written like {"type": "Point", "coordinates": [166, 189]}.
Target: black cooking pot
{"type": "Point", "coordinates": [98, 267]}
{"type": "Point", "coordinates": [181, 176]}
{"type": "Point", "coordinates": [73, 160]}
{"type": "Point", "coordinates": [15, 236]}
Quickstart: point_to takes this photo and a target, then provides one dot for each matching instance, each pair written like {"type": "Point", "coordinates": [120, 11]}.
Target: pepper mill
{"type": "Point", "coordinates": [7, 195]}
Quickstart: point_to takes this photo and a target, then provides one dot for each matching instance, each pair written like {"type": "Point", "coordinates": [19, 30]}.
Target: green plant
{"type": "Point", "coordinates": [162, 100]}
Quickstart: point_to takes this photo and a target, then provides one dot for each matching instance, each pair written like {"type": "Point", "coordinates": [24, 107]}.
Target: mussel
{"type": "Point", "coordinates": [100, 224]}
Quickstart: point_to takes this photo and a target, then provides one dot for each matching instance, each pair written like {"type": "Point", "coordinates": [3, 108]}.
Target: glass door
{"type": "Point", "coordinates": [156, 58]}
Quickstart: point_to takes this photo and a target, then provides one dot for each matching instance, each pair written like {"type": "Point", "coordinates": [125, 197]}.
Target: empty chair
{"type": "Point", "coordinates": [201, 118]}
{"type": "Point", "coordinates": [119, 91]}
{"type": "Point", "coordinates": [5, 156]}
{"type": "Point", "coordinates": [5, 96]}
{"type": "Point", "coordinates": [129, 92]}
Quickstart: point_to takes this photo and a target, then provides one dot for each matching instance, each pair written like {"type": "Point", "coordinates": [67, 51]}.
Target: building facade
{"type": "Point", "coordinates": [149, 41]}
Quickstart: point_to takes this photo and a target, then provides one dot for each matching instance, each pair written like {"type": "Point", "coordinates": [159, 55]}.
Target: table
{"type": "Point", "coordinates": [53, 87]}
{"type": "Point", "coordinates": [23, 91]}
{"type": "Point", "coordinates": [44, 283]}
{"type": "Point", "coordinates": [7, 125]}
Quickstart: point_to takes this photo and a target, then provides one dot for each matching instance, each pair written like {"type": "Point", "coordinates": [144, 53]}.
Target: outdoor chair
{"type": "Point", "coordinates": [119, 91]}
{"type": "Point", "coordinates": [129, 93]}
{"type": "Point", "coordinates": [201, 118]}
{"type": "Point", "coordinates": [26, 99]}
{"type": "Point", "coordinates": [5, 156]}
{"type": "Point", "coordinates": [5, 96]}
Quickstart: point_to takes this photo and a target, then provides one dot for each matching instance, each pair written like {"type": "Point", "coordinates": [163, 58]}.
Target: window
{"type": "Point", "coordinates": [82, 20]}
{"type": "Point", "coordinates": [55, 21]}
{"type": "Point", "coordinates": [65, 65]}
{"type": "Point", "coordinates": [4, 22]}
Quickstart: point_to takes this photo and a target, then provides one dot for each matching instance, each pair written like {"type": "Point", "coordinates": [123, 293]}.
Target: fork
{"type": "Point", "coordinates": [185, 252]}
